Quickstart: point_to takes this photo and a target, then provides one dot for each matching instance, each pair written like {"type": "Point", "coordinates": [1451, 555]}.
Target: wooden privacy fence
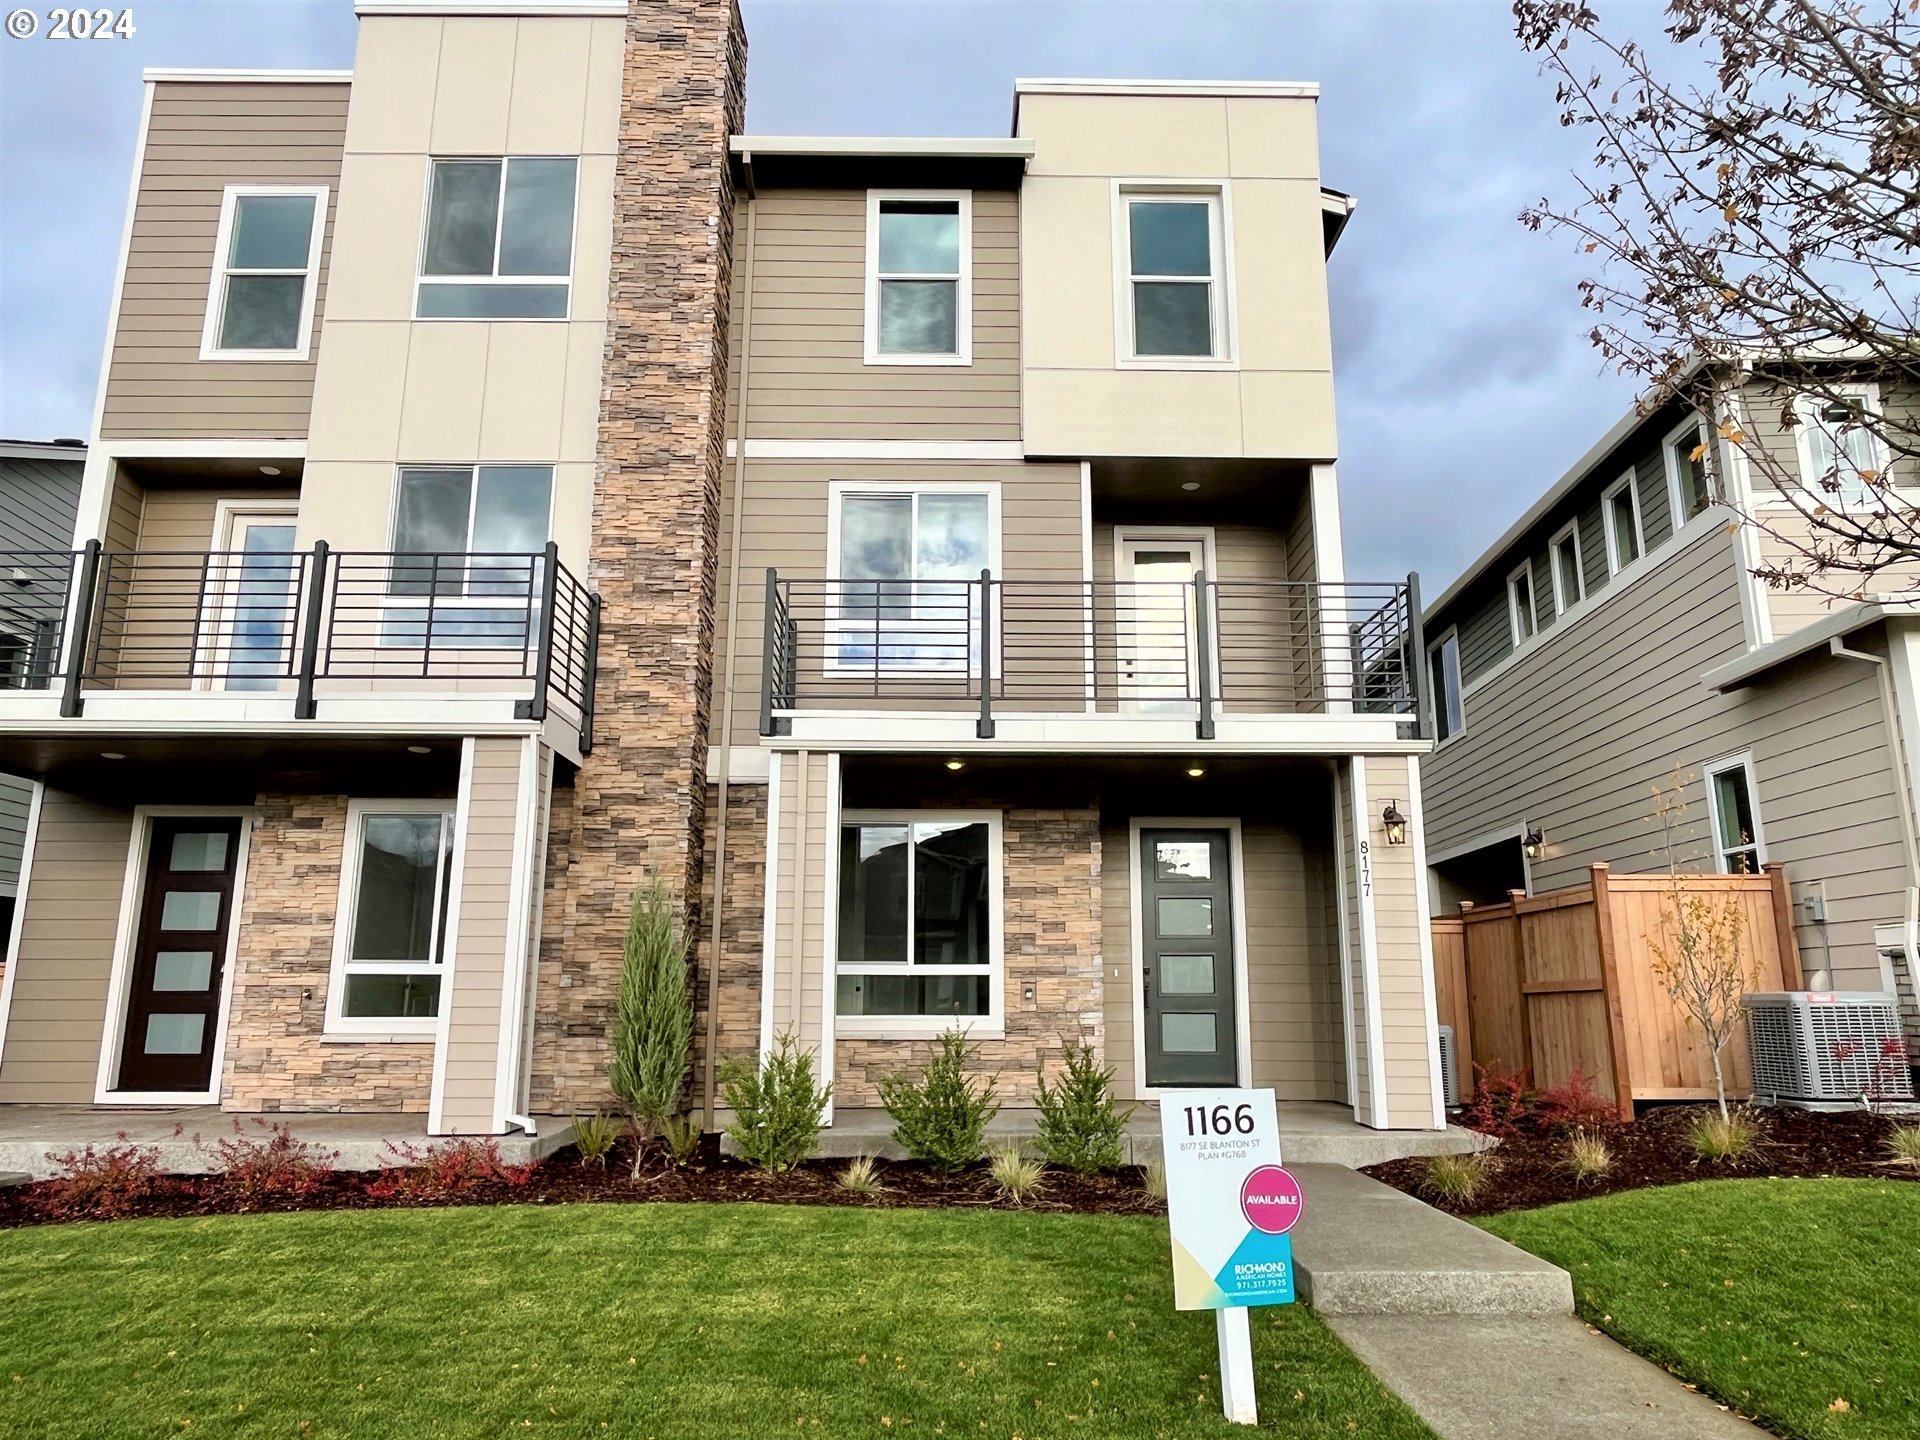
{"type": "Point", "coordinates": [1548, 984]}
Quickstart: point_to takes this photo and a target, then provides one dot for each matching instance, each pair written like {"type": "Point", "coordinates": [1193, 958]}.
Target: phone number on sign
{"type": "Point", "coordinates": [71, 24]}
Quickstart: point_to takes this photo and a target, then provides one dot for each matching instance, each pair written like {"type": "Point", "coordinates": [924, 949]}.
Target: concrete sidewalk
{"type": "Point", "coordinates": [1477, 1336]}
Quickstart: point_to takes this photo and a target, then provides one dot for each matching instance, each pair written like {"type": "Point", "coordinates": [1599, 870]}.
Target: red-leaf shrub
{"type": "Point", "coordinates": [1501, 1102]}
{"type": "Point", "coordinates": [255, 1170]}
{"type": "Point", "coordinates": [99, 1184]}
{"type": "Point", "coordinates": [445, 1171]}
{"type": "Point", "coordinates": [1574, 1105]}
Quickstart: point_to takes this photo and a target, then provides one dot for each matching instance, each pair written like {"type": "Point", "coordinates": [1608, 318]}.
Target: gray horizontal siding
{"type": "Point", "coordinates": [14, 798]}
{"type": "Point", "coordinates": [38, 499]}
{"type": "Point", "coordinates": [1574, 737]}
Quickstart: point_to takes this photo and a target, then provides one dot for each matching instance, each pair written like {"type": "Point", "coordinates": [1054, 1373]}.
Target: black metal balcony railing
{"type": "Point", "coordinates": [240, 621]}
{"type": "Point", "coordinates": [1286, 647]}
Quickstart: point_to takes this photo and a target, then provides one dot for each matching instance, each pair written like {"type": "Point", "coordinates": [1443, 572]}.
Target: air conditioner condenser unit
{"type": "Point", "coordinates": [1826, 1047]}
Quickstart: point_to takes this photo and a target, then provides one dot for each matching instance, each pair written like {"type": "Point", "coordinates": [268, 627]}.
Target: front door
{"type": "Point", "coordinates": [1187, 959]}
{"type": "Point", "coordinates": [257, 595]}
{"type": "Point", "coordinates": [1154, 622]}
{"type": "Point", "coordinates": [180, 954]}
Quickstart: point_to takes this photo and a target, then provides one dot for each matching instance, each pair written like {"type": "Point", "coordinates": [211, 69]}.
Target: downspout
{"type": "Point", "coordinates": [1896, 742]}
{"type": "Point", "coordinates": [709, 1068]}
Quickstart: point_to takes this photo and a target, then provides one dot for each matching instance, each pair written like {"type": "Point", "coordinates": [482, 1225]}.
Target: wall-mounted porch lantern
{"type": "Point", "coordinates": [1394, 823]}
{"type": "Point", "coordinates": [1535, 844]}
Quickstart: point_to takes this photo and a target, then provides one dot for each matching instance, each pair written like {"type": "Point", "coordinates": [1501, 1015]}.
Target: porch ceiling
{"type": "Point", "coordinates": [1228, 784]}
{"type": "Point", "coordinates": [232, 769]}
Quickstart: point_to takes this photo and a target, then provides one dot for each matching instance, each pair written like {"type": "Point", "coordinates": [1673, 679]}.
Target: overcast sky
{"type": "Point", "coordinates": [1466, 384]}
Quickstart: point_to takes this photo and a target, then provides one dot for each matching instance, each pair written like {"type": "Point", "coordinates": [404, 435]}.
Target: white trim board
{"type": "Point", "coordinates": [830, 934]}
{"type": "Point", "coordinates": [1379, 1110]}
{"type": "Point", "coordinates": [126, 930]}
{"type": "Point", "coordinates": [769, 909]}
{"type": "Point", "coordinates": [1136, 933]}
{"type": "Point", "coordinates": [850, 450]}
{"type": "Point", "coordinates": [523, 889]}
{"type": "Point", "coordinates": [450, 945]}
{"type": "Point", "coordinates": [1423, 907]}
{"type": "Point", "coordinates": [256, 77]}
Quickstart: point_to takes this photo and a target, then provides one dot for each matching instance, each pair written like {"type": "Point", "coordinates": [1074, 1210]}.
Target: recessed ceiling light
{"type": "Point", "coordinates": [111, 755]}
{"type": "Point", "coordinates": [1190, 485]}
{"type": "Point", "coordinates": [956, 764]}
{"type": "Point", "coordinates": [1196, 771]}
{"type": "Point", "coordinates": [419, 749]}
{"type": "Point", "coordinates": [269, 469]}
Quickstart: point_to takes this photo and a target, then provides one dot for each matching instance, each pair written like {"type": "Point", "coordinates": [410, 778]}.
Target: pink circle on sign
{"type": "Point", "coordinates": [1271, 1200]}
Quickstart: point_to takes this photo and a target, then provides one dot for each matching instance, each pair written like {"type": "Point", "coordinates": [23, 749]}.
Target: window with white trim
{"type": "Point", "coordinates": [1175, 273]}
{"type": "Point", "coordinates": [904, 557]}
{"type": "Point", "coordinates": [260, 301]}
{"type": "Point", "coordinates": [1620, 516]}
{"type": "Point", "coordinates": [919, 282]}
{"type": "Point", "coordinates": [1737, 845]}
{"type": "Point", "coordinates": [918, 919]}
{"type": "Point", "coordinates": [1443, 671]}
{"type": "Point", "coordinates": [1563, 561]}
{"type": "Point", "coordinates": [391, 926]}
{"type": "Point", "coordinates": [1837, 445]}
{"type": "Point", "coordinates": [1525, 619]}
{"type": "Point", "coordinates": [498, 242]}
{"type": "Point", "coordinates": [1688, 484]}
{"type": "Point", "coordinates": [465, 534]}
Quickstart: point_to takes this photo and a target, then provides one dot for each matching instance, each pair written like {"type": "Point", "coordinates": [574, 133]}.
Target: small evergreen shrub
{"type": "Point", "coordinates": [1015, 1176]}
{"type": "Point", "coordinates": [941, 1115]}
{"type": "Point", "coordinates": [594, 1137]}
{"type": "Point", "coordinates": [860, 1177]}
{"type": "Point", "coordinates": [652, 1016]}
{"type": "Point", "coordinates": [1081, 1129]}
{"type": "Point", "coordinates": [776, 1108]}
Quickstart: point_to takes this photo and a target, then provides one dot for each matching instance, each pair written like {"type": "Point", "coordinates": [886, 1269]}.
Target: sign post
{"type": "Point", "coordinates": [1230, 1204]}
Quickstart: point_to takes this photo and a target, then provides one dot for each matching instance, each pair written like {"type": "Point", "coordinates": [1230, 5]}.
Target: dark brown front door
{"type": "Point", "coordinates": [180, 954]}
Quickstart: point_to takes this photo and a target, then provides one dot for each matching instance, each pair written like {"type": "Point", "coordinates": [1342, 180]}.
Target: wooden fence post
{"type": "Point", "coordinates": [1525, 1065]}
{"type": "Point", "coordinates": [1610, 989]}
{"type": "Point", "coordinates": [1788, 939]}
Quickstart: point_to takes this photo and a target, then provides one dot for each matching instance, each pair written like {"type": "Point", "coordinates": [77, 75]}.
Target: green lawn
{"type": "Point", "coordinates": [636, 1321]}
{"type": "Point", "coordinates": [1796, 1301]}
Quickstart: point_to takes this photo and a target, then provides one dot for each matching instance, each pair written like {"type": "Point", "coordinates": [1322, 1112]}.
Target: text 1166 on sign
{"type": "Point", "coordinates": [1219, 1120]}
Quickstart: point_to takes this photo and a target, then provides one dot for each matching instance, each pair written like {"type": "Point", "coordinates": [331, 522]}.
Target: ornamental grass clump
{"type": "Point", "coordinates": [1588, 1157]}
{"type": "Point", "coordinates": [1903, 1147]}
{"type": "Point", "coordinates": [1724, 1140]}
{"type": "Point", "coordinates": [941, 1115]}
{"type": "Point", "coordinates": [1081, 1129]}
{"type": "Point", "coordinates": [776, 1106]}
{"type": "Point", "coordinates": [861, 1177]}
{"type": "Point", "coordinates": [1154, 1180]}
{"type": "Point", "coordinates": [594, 1137]}
{"type": "Point", "coordinates": [1456, 1180]}
{"type": "Point", "coordinates": [1015, 1175]}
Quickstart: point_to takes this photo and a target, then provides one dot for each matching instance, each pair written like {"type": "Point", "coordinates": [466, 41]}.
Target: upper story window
{"type": "Point", "coordinates": [1524, 618]}
{"type": "Point", "coordinates": [1620, 514]}
{"type": "Point", "coordinates": [1837, 444]}
{"type": "Point", "coordinates": [499, 240]}
{"type": "Point", "coordinates": [260, 303]}
{"type": "Point", "coordinates": [919, 285]}
{"type": "Point", "coordinates": [1563, 560]}
{"type": "Point", "coordinates": [1175, 301]}
{"type": "Point", "coordinates": [1686, 461]}
{"type": "Point", "coordinates": [1737, 846]}
{"type": "Point", "coordinates": [1443, 669]}
{"type": "Point", "coordinates": [904, 555]}
{"type": "Point", "coordinates": [487, 520]}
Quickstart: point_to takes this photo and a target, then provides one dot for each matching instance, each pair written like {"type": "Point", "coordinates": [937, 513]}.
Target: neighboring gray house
{"type": "Point", "coordinates": [39, 492]}
{"type": "Point", "coordinates": [1616, 634]}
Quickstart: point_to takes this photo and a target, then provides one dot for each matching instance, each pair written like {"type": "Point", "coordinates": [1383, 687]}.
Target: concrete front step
{"type": "Point", "coordinates": [1364, 1248]}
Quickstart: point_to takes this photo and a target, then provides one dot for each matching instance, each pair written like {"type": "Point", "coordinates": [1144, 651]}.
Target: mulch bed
{"type": "Point", "coordinates": [1529, 1168]}
{"type": "Point", "coordinates": [562, 1180]}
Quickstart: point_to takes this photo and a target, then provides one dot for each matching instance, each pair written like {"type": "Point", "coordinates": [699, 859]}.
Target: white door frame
{"type": "Point", "coordinates": [1236, 871]}
{"type": "Point", "coordinates": [227, 515]}
{"type": "Point", "coordinates": [1191, 535]}
{"type": "Point", "coordinates": [120, 977]}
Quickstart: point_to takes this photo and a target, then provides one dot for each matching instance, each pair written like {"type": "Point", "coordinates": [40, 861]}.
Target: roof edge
{"type": "Point", "coordinates": [1249, 89]}
{"type": "Point", "coordinates": [1744, 669]}
{"type": "Point", "coordinates": [504, 8]}
{"type": "Point", "coordinates": [50, 449]}
{"type": "Point", "coordinates": [955, 147]}
{"type": "Point", "coordinates": [247, 77]}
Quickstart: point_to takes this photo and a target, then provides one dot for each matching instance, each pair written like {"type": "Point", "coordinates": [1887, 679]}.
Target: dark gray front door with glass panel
{"type": "Point", "coordinates": [180, 955]}
{"type": "Point", "coordinates": [1186, 932]}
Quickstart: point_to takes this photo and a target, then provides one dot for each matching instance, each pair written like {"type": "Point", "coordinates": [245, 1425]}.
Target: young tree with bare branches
{"type": "Point", "coordinates": [1753, 210]}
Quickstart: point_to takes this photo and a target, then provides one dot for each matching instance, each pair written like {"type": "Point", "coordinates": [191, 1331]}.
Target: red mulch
{"type": "Point", "coordinates": [562, 1180]}
{"type": "Point", "coordinates": [1529, 1168]}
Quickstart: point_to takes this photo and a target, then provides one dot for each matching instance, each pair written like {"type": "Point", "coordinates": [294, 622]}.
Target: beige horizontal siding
{"type": "Point", "coordinates": [61, 973]}
{"type": "Point", "coordinates": [1576, 735]}
{"type": "Point", "coordinates": [799, 908]}
{"type": "Point", "coordinates": [1398, 923]}
{"type": "Point", "coordinates": [202, 138]}
{"type": "Point", "coordinates": [808, 376]}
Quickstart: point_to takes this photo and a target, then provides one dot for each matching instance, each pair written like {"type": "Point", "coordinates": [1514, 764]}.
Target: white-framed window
{"type": "Point", "coordinates": [1834, 441]}
{"type": "Point", "coordinates": [1563, 567]}
{"type": "Point", "coordinates": [1522, 612]}
{"type": "Point", "coordinates": [903, 557]}
{"type": "Point", "coordinates": [470, 537]}
{"type": "Point", "coordinates": [1684, 453]}
{"type": "Point", "coordinates": [918, 922]}
{"type": "Point", "coordinates": [497, 239]}
{"type": "Point", "coordinates": [919, 277]}
{"type": "Point", "coordinates": [1443, 674]}
{"type": "Point", "coordinates": [265, 256]}
{"type": "Point", "coordinates": [1171, 255]}
{"type": "Point", "coordinates": [390, 927]}
{"type": "Point", "coordinates": [1733, 803]}
{"type": "Point", "coordinates": [1620, 518]}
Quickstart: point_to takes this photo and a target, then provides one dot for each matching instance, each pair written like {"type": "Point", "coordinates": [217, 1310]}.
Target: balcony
{"type": "Point", "coordinates": [301, 628]}
{"type": "Point", "coordinates": [1202, 651]}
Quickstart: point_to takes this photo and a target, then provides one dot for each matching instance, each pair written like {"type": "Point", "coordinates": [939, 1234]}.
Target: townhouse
{"type": "Point", "coordinates": [1619, 633]}
{"type": "Point", "coordinates": [513, 481]}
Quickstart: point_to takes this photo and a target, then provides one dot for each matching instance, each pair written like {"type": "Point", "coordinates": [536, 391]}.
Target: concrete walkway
{"type": "Point", "coordinates": [1477, 1336]}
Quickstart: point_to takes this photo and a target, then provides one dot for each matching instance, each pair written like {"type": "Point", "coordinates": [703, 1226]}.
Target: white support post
{"type": "Point", "coordinates": [1236, 1365]}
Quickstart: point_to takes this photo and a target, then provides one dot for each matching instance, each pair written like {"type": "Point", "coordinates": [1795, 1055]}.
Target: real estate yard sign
{"type": "Point", "coordinates": [1230, 1203]}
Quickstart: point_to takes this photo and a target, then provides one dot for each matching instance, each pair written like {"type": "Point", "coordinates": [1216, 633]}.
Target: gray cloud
{"type": "Point", "coordinates": [1465, 381]}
